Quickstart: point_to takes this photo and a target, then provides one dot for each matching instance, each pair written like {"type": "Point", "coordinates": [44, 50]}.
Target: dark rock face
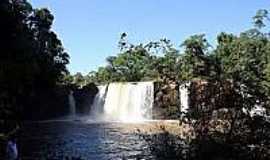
{"type": "Point", "coordinates": [84, 98]}
{"type": "Point", "coordinates": [166, 101]}
{"type": "Point", "coordinates": [49, 104]}
{"type": "Point", "coordinates": [205, 96]}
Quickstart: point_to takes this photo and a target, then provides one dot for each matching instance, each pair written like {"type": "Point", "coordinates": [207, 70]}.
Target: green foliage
{"type": "Point", "coordinates": [158, 60]}
{"type": "Point", "coordinates": [245, 60]}
{"type": "Point", "coordinates": [260, 17]}
{"type": "Point", "coordinates": [196, 63]}
{"type": "Point", "coordinates": [139, 62]}
{"type": "Point", "coordinates": [32, 57]}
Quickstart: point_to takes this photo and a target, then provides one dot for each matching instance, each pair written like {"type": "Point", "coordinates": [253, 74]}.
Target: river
{"type": "Point", "coordinates": [97, 141]}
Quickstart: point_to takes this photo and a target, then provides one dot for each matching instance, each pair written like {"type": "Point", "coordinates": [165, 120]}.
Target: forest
{"type": "Point", "coordinates": [33, 70]}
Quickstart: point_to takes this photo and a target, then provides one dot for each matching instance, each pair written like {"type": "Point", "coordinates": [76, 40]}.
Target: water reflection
{"type": "Point", "coordinates": [60, 139]}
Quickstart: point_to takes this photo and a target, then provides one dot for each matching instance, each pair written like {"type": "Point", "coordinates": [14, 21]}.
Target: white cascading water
{"type": "Point", "coordinates": [184, 96]}
{"type": "Point", "coordinates": [125, 102]}
{"type": "Point", "coordinates": [96, 110]}
{"type": "Point", "coordinates": [72, 104]}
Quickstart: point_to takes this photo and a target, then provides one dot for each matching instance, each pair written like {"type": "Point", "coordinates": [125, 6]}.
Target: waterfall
{"type": "Point", "coordinates": [72, 104]}
{"type": "Point", "coordinates": [96, 109]}
{"type": "Point", "coordinates": [184, 96]}
{"type": "Point", "coordinates": [131, 101]}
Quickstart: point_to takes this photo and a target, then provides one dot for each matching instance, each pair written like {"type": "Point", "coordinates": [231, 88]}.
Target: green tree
{"type": "Point", "coordinates": [195, 62]}
{"type": "Point", "coordinates": [32, 58]}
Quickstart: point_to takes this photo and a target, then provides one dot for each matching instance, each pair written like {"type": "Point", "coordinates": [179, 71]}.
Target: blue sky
{"type": "Point", "coordinates": [90, 29]}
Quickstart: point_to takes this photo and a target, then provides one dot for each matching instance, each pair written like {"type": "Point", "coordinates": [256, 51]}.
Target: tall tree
{"type": "Point", "coordinates": [32, 58]}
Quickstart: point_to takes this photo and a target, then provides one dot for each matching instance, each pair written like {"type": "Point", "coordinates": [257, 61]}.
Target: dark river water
{"type": "Point", "coordinates": [55, 140]}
